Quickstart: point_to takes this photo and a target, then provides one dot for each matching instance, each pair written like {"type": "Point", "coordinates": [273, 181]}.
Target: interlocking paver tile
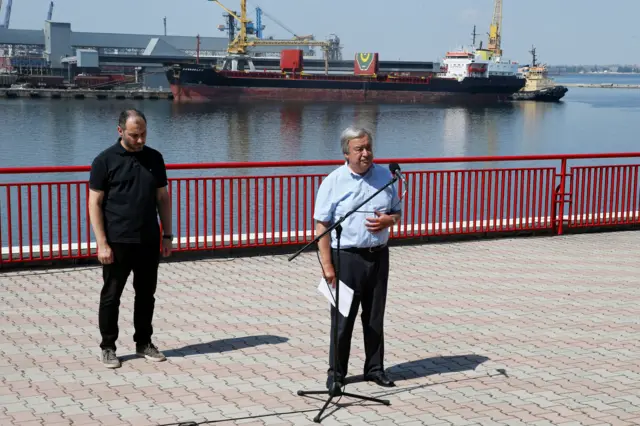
{"type": "Point", "coordinates": [506, 331]}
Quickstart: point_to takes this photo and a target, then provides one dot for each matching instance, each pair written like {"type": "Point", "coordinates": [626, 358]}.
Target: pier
{"type": "Point", "coordinates": [36, 93]}
{"type": "Point", "coordinates": [514, 331]}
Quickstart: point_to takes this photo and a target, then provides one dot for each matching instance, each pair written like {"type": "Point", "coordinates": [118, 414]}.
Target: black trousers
{"type": "Point", "coordinates": [367, 274]}
{"type": "Point", "coordinates": [143, 261]}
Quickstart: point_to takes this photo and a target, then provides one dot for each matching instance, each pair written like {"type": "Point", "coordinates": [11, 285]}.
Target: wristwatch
{"type": "Point", "coordinates": [167, 237]}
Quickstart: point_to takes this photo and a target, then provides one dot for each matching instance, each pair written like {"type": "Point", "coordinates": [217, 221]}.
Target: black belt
{"type": "Point", "coordinates": [364, 250]}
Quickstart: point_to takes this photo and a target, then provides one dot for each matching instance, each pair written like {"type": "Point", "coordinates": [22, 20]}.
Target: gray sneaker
{"type": "Point", "coordinates": [150, 352]}
{"type": "Point", "coordinates": [109, 359]}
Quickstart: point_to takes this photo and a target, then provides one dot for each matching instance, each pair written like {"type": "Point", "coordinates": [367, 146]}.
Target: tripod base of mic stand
{"type": "Point", "coordinates": [336, 391]}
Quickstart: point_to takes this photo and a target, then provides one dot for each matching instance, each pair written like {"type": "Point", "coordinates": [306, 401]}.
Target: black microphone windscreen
{"type": "Point", "coordinates": [394, 167]}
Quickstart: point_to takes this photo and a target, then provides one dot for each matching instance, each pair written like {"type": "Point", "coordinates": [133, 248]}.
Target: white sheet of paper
{"type": "Point", "coordinates": [346, 295]}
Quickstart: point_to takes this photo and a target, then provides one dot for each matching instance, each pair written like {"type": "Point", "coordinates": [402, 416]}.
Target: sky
{"type": "Point", "coordinates": [566, 32]}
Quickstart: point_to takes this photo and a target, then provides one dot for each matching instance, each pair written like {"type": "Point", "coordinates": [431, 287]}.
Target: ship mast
{"type": "Point", "coordinates": [533, 57]}
{"type": "Point", "coordinates": [495, 29]}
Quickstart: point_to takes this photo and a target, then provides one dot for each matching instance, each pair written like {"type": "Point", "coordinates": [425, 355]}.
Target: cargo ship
{"type": "Point", "coordinates": [463, 75]}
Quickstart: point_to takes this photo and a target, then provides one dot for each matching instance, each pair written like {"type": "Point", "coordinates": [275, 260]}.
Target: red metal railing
{"type": "Point", "coordinates": [48, 220]}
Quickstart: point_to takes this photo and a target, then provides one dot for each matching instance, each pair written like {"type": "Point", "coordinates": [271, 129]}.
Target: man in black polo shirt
{"type": "Point", "coordinates": [128, 188]}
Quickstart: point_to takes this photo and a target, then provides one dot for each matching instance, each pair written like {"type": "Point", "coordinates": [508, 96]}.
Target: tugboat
{"type": "Point", "coordinates": [538, 86]}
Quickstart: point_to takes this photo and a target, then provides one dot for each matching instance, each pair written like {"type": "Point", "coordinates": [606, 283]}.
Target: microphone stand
{"type": "Point", "coordinates": [335, 389]}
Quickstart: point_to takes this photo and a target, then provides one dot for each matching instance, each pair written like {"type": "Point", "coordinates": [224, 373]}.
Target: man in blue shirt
{"type": "Point", "coordinates": [364, 255]}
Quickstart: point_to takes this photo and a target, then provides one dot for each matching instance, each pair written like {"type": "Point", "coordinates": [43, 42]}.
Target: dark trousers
{"type": "Point", "coordinates": [367, 274]}
{"type": "Point", "coordinates": [142, 260]}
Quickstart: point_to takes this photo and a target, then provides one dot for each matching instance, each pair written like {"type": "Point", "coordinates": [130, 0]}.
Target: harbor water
{"type": "Point", "coordinates": [44, 132]}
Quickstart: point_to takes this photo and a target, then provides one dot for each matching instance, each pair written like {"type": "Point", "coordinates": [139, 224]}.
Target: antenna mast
{"type": "Point", "coordinates": [534, 61]}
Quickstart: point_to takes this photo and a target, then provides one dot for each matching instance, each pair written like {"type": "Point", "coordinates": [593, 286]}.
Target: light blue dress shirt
{"type": "Point", "coordinates": [343, 190]}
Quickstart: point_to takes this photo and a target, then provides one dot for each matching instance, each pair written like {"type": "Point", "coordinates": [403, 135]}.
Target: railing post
{"type": "Point", "coordinates": [561, 193]}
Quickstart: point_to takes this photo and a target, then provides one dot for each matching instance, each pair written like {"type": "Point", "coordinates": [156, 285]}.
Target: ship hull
{"type": "Point", "coordinates": [206, 85]}
{"type": "Point", "coordinates": [551, 94]}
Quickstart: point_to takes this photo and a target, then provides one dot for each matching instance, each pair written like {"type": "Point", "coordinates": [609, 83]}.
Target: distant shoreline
{"type": "Point", "coordinates": [595, 73]}
{"type": "Point", "coordinates": [602, 85]}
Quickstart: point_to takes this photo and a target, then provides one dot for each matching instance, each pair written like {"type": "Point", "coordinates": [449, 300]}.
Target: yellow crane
{"type": "Point", "coordinates": [495, 30]}
{"type": "Point", "coordinates": [494, 48]}
{"type": "Point", "coordinates": [241, 43]}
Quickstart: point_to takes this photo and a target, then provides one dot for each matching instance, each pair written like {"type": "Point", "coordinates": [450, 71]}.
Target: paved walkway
{"type": "Point", "coordinates": [513, 331]}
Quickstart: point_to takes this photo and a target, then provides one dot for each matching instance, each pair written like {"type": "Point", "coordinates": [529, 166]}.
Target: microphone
{"type": "Point", "coordinates": [394, 168]}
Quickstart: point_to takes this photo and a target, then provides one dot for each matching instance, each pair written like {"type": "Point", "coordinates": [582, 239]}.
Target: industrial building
{"type": "Point", "coordinates": [56, 47]}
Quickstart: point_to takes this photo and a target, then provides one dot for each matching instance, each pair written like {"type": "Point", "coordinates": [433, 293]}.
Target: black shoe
{"type": "Point", "coordinates": [380, 378]}
{"type": "Point", "coordinates": [339, 381]}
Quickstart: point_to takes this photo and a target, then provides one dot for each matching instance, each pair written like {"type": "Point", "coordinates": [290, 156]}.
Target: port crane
{"type": "Point", "coordinates": [495, 30]}
{"type": "Point", "coordinates": [232, 26]}
{"type": "Point", "coordinates": [258, 29]}
{"type": "Point", "coordinates": [260, 11]}
{"type": "Point", "coordinates": [238, 47]}
{"type": "Point", "coordinates": [7, 14]}
{"type": "Point", "coordinates": [494, 48]}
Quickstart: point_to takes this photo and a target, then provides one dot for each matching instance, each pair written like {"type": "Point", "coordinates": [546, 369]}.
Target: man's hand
{"type": "Point", "coordinates": [329, 275]}
{"type": "Point", "coordinates": [324, 245]}
{"type": "Point", "coordinates": [378, 223]}
{"type": "Point", "coordinates": [167, 246]}
{"type": "Point", "coordinates": [105, 254]}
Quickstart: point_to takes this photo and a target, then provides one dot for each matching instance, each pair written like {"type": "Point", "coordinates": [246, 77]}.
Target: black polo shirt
{"type": "Point", "coordinates": [129, 181]}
